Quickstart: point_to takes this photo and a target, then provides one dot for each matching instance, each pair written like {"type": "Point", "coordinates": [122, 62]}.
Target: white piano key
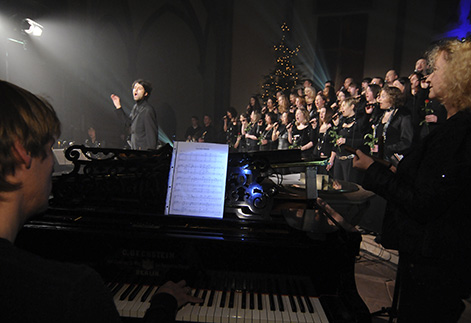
{"type": "Point", "coordinates": [256, 313]}
{"type": "Point", "coordinates": [217, 309]}
{"type": "Point", "coordinates": [133, 311]}
{"type": "Point", "coordinates": [126, 311]}
{"type": "Point", "coordinates": [319, 310]}
{"type": "Point", "coordinates": [249, 313]}
{"type": "Point", "coordinates": [195, 307]}
{"type": "Point", "coordinates": [225, 314]}
{"type": "Point", "coordinates": [302, 318]}
{"type": "Point", "coordinates": [141, 311]}
{"type": "Point", "coordinates": [119, 292]}
{"type": "Point", "coordinates": [292, 315]}
{"type": "Point", "coordinates": [119, 303]}
{"type": "Point", "coordinates": [245, 312]}
{"type": "Point", "coordinates": [284, 314]}
{"type": "Point", "coordinates": [210, 309]}
{"type": "Point", "coordinates": [272, 316]}
{"type": "Point", "coordinates": [184, 314]}
{"type": "Point", "coordinates": [235, 313]}
{"type": "Point", "coordinates": [203, 312]}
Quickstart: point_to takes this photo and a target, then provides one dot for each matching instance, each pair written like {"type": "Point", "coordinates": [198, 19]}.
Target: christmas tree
{"type": "Point", "coordinates": [284, 77]}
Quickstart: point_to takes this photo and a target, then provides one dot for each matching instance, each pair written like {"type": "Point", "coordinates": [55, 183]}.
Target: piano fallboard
{"type": "Point", "coordinates": [229, 257]}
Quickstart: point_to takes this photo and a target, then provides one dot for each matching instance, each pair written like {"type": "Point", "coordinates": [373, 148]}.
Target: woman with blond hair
{"type": "Point", "coordinates": [310, 95]}
{"type": "Point", "coordinates": [427, 217]}
{"type": "Point", "coordinates": [301, 135]}
{"type": "Point", "coordinates": [283, 103]}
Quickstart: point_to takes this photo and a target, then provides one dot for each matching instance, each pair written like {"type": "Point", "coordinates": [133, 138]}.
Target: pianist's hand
{"type": "Point", "coordinates": [180, 291]}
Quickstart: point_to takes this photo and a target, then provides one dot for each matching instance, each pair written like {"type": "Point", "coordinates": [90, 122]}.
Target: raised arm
{"type": "Point", "coordinates": [116, 101]}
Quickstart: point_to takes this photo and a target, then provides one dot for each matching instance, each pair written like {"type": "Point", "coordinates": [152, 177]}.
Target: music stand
{"type": "Point", "coordinates": [391, 311]}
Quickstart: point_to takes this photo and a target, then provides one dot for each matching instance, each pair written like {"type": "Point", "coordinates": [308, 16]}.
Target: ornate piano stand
{"type": "Point", "coordinates": [273, 256]}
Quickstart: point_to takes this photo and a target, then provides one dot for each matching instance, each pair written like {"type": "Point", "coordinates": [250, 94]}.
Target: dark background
{"type": "Point", "coordinates": [203, 56]}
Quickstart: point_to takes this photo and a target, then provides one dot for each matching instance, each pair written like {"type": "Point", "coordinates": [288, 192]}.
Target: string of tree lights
{"type": "Point", "coordinates": [285, 75]}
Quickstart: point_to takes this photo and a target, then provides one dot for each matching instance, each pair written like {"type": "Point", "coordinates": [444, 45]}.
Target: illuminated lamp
{"type": "Point", "coordinates": [32, 27]}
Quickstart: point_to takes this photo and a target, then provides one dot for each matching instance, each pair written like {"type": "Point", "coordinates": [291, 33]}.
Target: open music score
{"type": "Point", "coordinates": [197, 179]}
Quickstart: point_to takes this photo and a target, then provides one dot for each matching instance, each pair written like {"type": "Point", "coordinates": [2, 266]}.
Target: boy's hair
{"type": "Point", "coordinates": [28, 119]}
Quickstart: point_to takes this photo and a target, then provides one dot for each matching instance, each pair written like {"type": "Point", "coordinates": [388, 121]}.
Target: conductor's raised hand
{"type": "Point", "coordinates": [116, 101]}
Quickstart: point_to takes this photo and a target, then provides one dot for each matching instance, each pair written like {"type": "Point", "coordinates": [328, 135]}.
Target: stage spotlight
{"type": "Point", "coordinates": [32, 27]}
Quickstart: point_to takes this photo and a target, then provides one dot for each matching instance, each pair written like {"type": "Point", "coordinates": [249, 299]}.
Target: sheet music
{"type": "Point", "coordinates": [197, 179]}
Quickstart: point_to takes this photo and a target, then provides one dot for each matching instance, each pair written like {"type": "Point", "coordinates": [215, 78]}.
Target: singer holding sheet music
{"type": "Point", "coordinates": [427, 217]}
{"type": "Point", "coordinates": [142, 120]}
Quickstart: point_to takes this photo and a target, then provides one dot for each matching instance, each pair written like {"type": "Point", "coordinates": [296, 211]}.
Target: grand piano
{"type": "Point", "coordinates": [274, 258]}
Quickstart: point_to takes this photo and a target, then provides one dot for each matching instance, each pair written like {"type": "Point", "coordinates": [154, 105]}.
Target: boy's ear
{"type": "Point", "coordinates": [21, 154]}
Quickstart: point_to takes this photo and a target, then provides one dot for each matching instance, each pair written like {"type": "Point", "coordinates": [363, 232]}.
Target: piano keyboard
{"type": "Point", "coordinates": [132, 300]}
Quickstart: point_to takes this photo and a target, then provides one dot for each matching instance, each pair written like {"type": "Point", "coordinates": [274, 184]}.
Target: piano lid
{"type": "Point", "coordinates": [124, 182]}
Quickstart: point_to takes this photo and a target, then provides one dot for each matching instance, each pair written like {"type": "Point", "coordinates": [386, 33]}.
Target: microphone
{"type": "Point", "coordinates": [291, 124]}
{"type": "Point", "coordinates": [379, 160]}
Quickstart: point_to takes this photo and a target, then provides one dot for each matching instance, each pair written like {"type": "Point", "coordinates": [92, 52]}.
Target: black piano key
{"type": "Point", "coordinates": [211, 298]}
{"type": "Point", "coordinates": [222, 303]}
{"type": "Point", "coordinates": [197, 291]}
{"type": "Point", "coordinates": [292, 303]}
{"type": "Point", "coordinates": [302, 308]}
{"type": "Point", "coordinates": [110, 285]}
{"type": "Point", "coordinates": [259, 302]}
{"type": "Point", "coordinates": [223, 299]}
{"type": "Point", "coordinates": [127, 292]}
{"type": "Point", "coordinates": [231, 298]}
{"type": "Point", "coordinates": [135, 292]}
{"type": "Point", "coordinates": [281, 306]}
{"type": "Point", "coordinates": [243, 299]}
{"type": "Point", "coordinates": [272, 302]}
{"type": "Point", "coordinates": [146, 293]}
{"type": "Point", "coordinates": [310, 308]}
{"type": "Point", "coordinates": [243, 304]}
{"type": "Point", "coordinates": [294, 289]}
{"type": "Point", "coordinates": [234, 283]}
{"type": "Point", "coordinates": [252, 300]}
{"type": "Point", "coordinates": [203, 296]}
{"type": "Point", "coordinates": [291, 292]}
{"type": "Point", "coordinates": [116, 288]}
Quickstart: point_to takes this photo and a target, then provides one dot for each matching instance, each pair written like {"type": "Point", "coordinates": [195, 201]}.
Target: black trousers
{"type": "Point", "coordinates": [343, 170]}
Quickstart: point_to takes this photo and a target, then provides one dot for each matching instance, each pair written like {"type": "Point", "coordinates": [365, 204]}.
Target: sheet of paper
{"type": "Point", "coordinates": [197, 179]}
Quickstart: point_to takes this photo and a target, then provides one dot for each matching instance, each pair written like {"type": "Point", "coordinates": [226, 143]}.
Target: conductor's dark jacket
{"type": "Point", "coordinates": [143, 125]}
